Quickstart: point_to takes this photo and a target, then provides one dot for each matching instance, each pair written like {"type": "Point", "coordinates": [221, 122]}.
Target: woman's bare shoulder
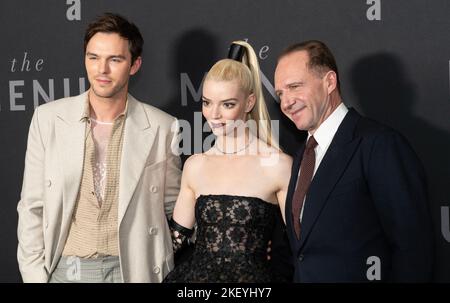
{"type": "Point", "coordinates": [278, 162]}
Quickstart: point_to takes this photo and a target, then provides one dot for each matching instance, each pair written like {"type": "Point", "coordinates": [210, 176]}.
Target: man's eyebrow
{"type": "Point", "coordinates": [111, 56]}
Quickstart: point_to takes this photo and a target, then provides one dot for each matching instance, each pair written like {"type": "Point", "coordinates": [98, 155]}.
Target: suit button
{"type": "Point", "coordinates": [154, 189]}
{"type": "Point", "coordinates": [156, 270]}
{"type": "Point", "coordinates": [153, 231]}
{"type": "Point", "coordinates": [48, 183]}
{"type": "Point", "coordinates": [300, 258]}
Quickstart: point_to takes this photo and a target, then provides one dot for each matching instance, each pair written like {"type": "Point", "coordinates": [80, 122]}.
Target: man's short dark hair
{"type": "Point", "coordinates": [114, 23]}
{"type": "Point", "coordinates": [321, 59]}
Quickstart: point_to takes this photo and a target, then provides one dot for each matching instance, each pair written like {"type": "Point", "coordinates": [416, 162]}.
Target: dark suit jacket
{"type": "Point", "coordinates": [367, 199]}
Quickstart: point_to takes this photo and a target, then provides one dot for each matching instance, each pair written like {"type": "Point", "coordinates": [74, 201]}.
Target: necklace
{"type": "Point", "coordinates": [236, 151]}
{"type": "Point", "coordinates": [101, 122]}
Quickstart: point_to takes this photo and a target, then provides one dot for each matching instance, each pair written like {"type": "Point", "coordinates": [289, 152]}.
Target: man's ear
{"type": "Point", "coordinates": [136, 66]}
{"type": "Point", "coordinates": [251, 100]}
{"type": "Point", "coordinates": [330, 81]}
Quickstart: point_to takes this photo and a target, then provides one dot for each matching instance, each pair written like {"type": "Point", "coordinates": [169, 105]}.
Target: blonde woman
{"type": "Point", "coordinates": [232, 191]}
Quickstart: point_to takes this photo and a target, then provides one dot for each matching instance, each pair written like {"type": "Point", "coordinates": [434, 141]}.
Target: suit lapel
{"type": "Point", "coordinates": [137, 142]}
{"type": "Point", "coordinates": [70, 136]}
{"type": "Point", "coordinates": [330, 171]}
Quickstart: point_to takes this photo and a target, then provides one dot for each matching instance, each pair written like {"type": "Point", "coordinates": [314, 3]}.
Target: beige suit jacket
{"type": "Point", "coordinates": [149, 184]}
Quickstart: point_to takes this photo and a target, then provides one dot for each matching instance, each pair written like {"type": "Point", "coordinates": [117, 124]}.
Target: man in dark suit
{"type": "Point", "coordinates": [356, 208]}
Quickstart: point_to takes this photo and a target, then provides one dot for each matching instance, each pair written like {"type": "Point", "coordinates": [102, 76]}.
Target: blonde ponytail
{"type": "Point", "coordinates": [259, 113]}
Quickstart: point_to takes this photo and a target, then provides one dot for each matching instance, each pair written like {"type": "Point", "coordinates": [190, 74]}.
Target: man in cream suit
{"type": "Point", "coordinates": [101, 174]}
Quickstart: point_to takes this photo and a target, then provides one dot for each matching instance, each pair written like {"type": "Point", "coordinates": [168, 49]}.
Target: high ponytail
{"type": "Point", "coordinates": [259, 113]}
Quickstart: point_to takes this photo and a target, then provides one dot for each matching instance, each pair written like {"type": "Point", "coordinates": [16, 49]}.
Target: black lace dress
{"type": "Point", "coordinates": [231, 242]}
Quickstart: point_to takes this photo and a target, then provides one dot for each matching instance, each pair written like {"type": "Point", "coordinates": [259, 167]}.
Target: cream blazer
{"type": "Point", "coordinates": [149, 184]}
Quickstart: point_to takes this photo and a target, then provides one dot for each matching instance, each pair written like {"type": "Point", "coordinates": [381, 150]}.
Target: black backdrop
{"type": "Point", "coordinates": [394, 60]}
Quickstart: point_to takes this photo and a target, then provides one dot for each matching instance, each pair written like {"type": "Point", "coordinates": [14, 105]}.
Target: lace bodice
{"type": "Point", "coordinates": [233, 224]}
{"type": "Point", "coordinates": [231, 242]}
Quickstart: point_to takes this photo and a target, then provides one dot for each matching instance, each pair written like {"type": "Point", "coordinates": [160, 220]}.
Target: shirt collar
{"type": "Point", "coordinates": [87, 110]}
{"type": "Point", "coordinates": [326, 131]}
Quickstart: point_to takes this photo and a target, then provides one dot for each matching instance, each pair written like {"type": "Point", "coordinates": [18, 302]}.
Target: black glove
{"type": "Point", "coordinates": [180, 235]}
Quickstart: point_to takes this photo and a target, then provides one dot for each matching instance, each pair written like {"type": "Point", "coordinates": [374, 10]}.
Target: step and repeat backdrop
{"type": "Point", "coordinates": [393, 56]}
